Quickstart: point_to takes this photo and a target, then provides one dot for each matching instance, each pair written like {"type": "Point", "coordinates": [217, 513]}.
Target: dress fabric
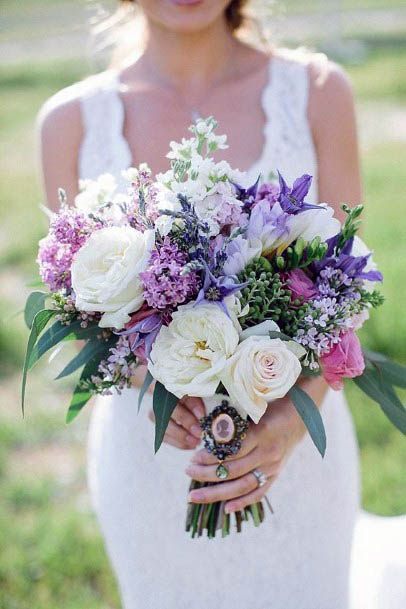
{"type": "Point", "coordinates": [299, 558]}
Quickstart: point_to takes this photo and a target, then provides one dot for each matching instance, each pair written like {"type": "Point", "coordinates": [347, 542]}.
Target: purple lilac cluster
{"type": "Point", "coordinates": [165, 284]}
{"type": "Point", "coordinates": [117, 370]}
{"type": "Point", "coordinates": [330, 312]}
{"type": "Point", "coordinates": [69, 229]}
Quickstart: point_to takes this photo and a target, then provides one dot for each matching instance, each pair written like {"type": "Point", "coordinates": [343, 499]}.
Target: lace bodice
{"type": "Point", "coordinates": [288, 144]}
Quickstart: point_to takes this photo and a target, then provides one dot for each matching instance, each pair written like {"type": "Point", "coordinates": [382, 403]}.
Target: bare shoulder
{"type": "Point", "coordinates": [61, 113]}
{"type": "Point", "coordinates": [61, 132]}
{"type": "Point", "coordinates": [331, 99]}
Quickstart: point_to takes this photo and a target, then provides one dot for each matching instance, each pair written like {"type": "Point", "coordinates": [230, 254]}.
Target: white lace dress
{"type": "Point", "coordinates": [300, 557]}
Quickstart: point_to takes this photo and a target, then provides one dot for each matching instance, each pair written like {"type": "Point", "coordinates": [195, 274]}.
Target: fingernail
{"type": "Point", "coordinates": [189, 470]}
{"type": "Point", "coordinates": [191, 440]}
{"type": "Point", "coordinates": [196, 431]}
{"type": "Point", "coordinates": [195, 496]}
{"type": "Point", "coordinates": [198, 412]}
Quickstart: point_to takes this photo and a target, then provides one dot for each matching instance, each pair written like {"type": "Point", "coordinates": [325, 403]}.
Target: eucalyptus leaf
{"type": "Point", "coordinates": [164, 404]}
{"type": "Point", "coordinates": [82, 396]}
{"type": "Point", "coordinates": [393, 373]}
{"type": "Point", "coordinates": [39, 322]}
{"type": "Point", "coordinates": [371, 383]}
{"type": "Point", "coordinates": [58, 332]}
{"type": "Point", "coordinates": [35, 303]}
{"type": "Point", "coordinates": [145, 386]}
{"type": "Point", "coordinates": [281, 335]}
{"type": "Point", "coordinates": [92, 348]}
{"type": "Point", "coordinates": [311, 417]}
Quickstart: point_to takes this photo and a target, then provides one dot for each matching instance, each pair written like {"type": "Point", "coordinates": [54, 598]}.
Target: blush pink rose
{"type": "Point", "coordinates": [345, 360]}
{"type": "Point", "coordinates": [301, 286]}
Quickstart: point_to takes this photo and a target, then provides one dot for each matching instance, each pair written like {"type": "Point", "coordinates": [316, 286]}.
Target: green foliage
{"type": "Point", "coordinates": [300, 255]}
{"type": "Point", "coordinates": [267, 298]}
{"type": "Point", "coordinates": [351, 225]}
{"type": "Point", "coordinates": [310, 416]}
{"type": "Point", "coordinates": [164, 403]}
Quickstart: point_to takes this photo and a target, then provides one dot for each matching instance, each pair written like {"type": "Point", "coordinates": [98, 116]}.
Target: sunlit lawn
{"type": "Point", "coordinates": [51, 554]}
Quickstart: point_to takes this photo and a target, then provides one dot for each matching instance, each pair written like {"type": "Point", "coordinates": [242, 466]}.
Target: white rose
{"type": "Point", "coordinates": [189, 355]}
{"type": "Point", "coordinates": [261, 370]}
{"type": "Point", "coordinates": [105, 273]}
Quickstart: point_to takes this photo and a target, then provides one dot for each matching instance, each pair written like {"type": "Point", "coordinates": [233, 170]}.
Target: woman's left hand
{"type": "Point", "coordinates": [266, 448]}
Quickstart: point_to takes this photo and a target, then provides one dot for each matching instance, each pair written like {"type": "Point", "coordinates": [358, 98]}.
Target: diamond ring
{"type": "Point", "coordinates": [260, 476]}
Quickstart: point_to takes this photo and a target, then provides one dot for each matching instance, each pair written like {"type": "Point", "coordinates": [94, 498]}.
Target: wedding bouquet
{"type": "Point", "coordinates": [226, 290]}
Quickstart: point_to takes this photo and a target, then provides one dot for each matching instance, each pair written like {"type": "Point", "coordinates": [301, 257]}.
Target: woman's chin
{"type": "Point", "coordinates": [185, 16]}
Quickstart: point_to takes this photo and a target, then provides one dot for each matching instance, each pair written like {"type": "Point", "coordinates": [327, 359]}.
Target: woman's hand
{"type": "Point", "coordinates": [266, 447]}
{"type": "Point", "coordinates": [184, 429]}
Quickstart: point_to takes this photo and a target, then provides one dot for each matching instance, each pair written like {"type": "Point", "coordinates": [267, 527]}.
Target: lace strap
{"type": "Point", "coordinates": [103, 149]}
{"type": "Point", "coordinates": [285, 101]}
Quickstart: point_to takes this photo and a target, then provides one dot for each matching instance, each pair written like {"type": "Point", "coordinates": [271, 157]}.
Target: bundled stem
{"type": "Point", "coordinates": [211, 517]}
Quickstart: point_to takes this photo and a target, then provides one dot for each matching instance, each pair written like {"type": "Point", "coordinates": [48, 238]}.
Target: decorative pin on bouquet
{"type": "Point", "coordinates": [227, 291]}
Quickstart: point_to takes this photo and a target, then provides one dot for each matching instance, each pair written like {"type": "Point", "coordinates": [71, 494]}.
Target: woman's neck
{"type": "Point", "coordinates": [189, 63]}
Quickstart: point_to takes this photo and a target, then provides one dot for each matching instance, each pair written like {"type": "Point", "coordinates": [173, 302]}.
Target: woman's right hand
{"type": "Point", "coordinates": [184, 429]}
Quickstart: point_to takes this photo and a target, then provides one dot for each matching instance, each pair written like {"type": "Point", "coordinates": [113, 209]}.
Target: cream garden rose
{"type": "Point", "coordinates": [261, 370]}
{"type": "Point", "coordinates": [105, 273]}
{"type": "Point", "coordinates": [189, 355]}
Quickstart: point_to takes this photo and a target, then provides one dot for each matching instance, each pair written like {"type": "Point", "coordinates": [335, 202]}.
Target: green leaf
{"type": "Point", "coordinates": [92, 348]}
{"type": "Point", "coordinates": [371, 383]}
{"type": "Point", "coordinates": [58, 332]}
{"type": "Point", "coordinates": [164, 404]}
{"type": "Point", "coordinates": [39, 322]}
{"type": "Point", "coordinates": [82, 396]}
{"type": "Point", "coordinates": [281, 335]}
{"type": "Point", "coordinates": [35, 303]}
{"type": "Point", "coordinates": [311, 417]}
{"type": "Point", "coordinates": [392, 373]}
{"type": "Point", "coordinates": [79, 399]}
{"type": "Point", "coordinates": [145, 386]}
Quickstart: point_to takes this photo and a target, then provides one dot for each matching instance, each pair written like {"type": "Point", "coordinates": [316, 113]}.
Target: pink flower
{"type": "Point", "coordinates": [345, 360]}
{"type": "Point", "coordinates": [301, 286]}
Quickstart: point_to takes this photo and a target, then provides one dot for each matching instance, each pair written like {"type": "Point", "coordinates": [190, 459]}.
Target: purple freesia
{"type": "Point", "coordinates": [142, 330]}
{"type": "Point", "coordinates": [216, 289]}
{"type": "Point", "coordinates": [267, 225]}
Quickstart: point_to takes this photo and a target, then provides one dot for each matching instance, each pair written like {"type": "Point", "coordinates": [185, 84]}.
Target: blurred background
{"type": "Point", "coordinates": [51, 553]}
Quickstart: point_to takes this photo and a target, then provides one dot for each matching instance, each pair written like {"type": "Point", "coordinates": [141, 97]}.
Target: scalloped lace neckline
{"type": "Point", "coordinates": [267, 97]}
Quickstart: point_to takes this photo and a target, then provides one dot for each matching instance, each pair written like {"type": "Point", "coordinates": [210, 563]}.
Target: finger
{"type": "Point", "coordinates": [202, 457]}
{"type": "Point", "coordinates": [248, 499]}
{"type": "Point", "coordinates": [195, 405]}
{"type": "Point", "coordinates": [224, 490]}
{"type": "Point", "coordinates": [186, 419]}
{"type": "Point", "coordinates": [236, 468]}
{"type": "Point", "coordinates": [177, 436]}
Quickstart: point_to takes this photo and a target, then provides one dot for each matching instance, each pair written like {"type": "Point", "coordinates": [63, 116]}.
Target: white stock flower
{"type": "Point", "coordinates": [95, 193]}
{"type": "Point", "coordinates": [188, 356]}
{"type": "Point", "coordinates": [105, 273]}
{"type": "Point", "coordinates": [261, 370]}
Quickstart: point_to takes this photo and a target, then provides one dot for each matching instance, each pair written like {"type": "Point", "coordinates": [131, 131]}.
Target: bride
{"type": "Point", "coordinates": [282, 110]}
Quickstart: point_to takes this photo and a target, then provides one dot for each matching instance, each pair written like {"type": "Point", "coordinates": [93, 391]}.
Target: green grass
{"type": "Point", "coordinates": [54, 556]}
